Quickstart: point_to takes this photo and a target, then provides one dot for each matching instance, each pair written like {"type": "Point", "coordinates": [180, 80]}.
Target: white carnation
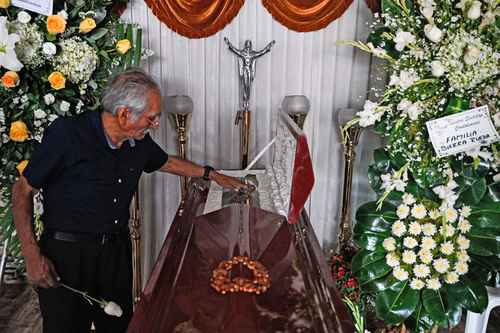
{"type": "Point", "coordinates": [402, 211]}
{"type": "Point", "coordinates": [447, 248]}
{"type": "Point", "coordinates": [417, 284]}
{"type": "Point", "coordinates": [65, 106]}
{"type": "Point", "coordinates": [428, 243]}
{"type": "Point", "coordinates": [421, 271]}
{"type": "Point", "coordinates": [447, 230]}
{"type": "Point", "coordinates": [392, 259]}
{"type": "Point", "coordinates": [434, 214]}
{"type": "Point", "coordinates": [451, 278]}
{"type": "Point", "coordinates": [429, 229]}
{"type": "Point", "coordinates": [461, 268]}
{"type": "Point", "coordinates": [441, 265]}
{"type": "Point", "coordinates": [415, 228]}
{"type": "Point", "coordinates": [409, 257]}
{"type": "Point", "coordinates": [464, 226]}
{"type": "Point", "coordinates": [433, 284]}
{"type": "Point", "coordinates": [465, 210]}
{"type": "Point", "coordinates": [419, 211]}
{"type": "Point", "coordinates": [400, 274]}
{"type": "Point", "coordinates": [463, 256]}
{"type": "Point", "coordinates": [425, 256]}
{"type": "Point", "coordinates": [398, 229]}
{"type": "Point", "coordinates": [389, 244]}
{"type": "Point", "coordinates": [410, 242]}
{"type": "Point", "coordinates": [463, 243]}
{"type": "Point", "coordinates": [408, 199]}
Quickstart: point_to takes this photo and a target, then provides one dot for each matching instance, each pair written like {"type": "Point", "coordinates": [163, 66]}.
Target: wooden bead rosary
{"type": "Point", "coordinates": [222, 283]}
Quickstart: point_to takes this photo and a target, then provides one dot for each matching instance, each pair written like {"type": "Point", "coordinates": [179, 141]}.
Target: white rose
{"type": "Point", "coordinates": [49, 48]}
{"type": "Point", "coordinates": [427, 12]}
{"type": "Point", "coordinates": [23, 17]}
{"type": "Point", "coordinates": [64, 106]}
{"type": "Point", "coordinates": [437, 68]}
{"type": "Point", "coordinates": [471, 55]}
{"type": "Point", "coordinates": [40, 114]}
{"type": "Point", "coordinates": [113, 309]}
{"type": "Point", "coordinates": [433, 33]}
{"type": "Point", "coordinates": [474, 11]}
{"type": "Point", "coordinates": [49, 99]}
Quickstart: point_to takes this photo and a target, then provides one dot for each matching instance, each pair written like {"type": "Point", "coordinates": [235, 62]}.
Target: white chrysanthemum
{"type": "Point", "coordinates": [425, 256]}
{"type": "Point", "coordinates": [447, 248]}
{"type": "Point", "coordinates": [463, 243]}
{"type": "Point", "coordinates": [408, 199]}
{"type": "Point", "coordinates": [451, 214]}
{"type": "Point", "coordinates": [402, 211]}
{"type": "Point", "coordinates": [409, 257]}
{"type": "Point", "coordinates": [389, 244]}
{"type": "Point", "coordinates": [428, 243]}
{"type": "Point", "coordinates": [463, 256]}
{"type": "Point", "coordinates": [441, 265]}
{"type": "Point", "coordinates": [398, 229]}
{"type": "Point", "coordinates": [465, 211]}
{"type": "Point", "coordinates": [417, 284]}
{"type": "Point", "coordinates": [77, 60]}
{"type": "Point", "coordinates": [434, 214]}
{"type": "Point", "coordinates": [464, 226]}
{"type": "Point", "coordinates": [447, 230]}
{"type": "Point", "coordinates": [429, 229]}
{"type": "Point", "coordinates": [64, 106]}
{"type": "Point", "coordinates": [451, 278]}
{"type": "Point", "coordinates": [419, 211]}
{"type": "Point", "coordinates": [415, 229]}
{"type": "Point", "coordinates": [433, 284]}
{"type": "Point", "coordinates": [410, 242]}
{"type": "Point", "coordinates": [392, 259]}
{"type": "Point", "coordinates": [461, 268]}
{"type": "Point", "coordinates": [421, 271]}
{"type": "Point", "coordinates": [400, 274]}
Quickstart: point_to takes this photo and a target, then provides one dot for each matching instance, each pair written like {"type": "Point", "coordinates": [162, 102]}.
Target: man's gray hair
{"type": "Point", "coordinates": [128, 89]}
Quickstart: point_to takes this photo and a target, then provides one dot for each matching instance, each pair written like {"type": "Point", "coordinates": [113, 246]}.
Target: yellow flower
{"type": "Point", "coordinates": [57, 80]}
{"type": "Point", "coordinates": [21, 166]}
{"type": "Point", "coordinates": [10, 79]}
{"type": "Point", "coordinates": [56, 24]}
{"type": "Point", "coordinates": [18, 131]}
{"type": "Point", "coordinates": [87, 25]}
{"type": "Point", "coordinates": [4, 3]}
{"type": "Point", "coordinates": [123, 45]}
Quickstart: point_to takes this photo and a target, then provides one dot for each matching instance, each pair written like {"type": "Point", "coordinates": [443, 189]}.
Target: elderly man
{"type": "Point", "coordinates": [88, 167]}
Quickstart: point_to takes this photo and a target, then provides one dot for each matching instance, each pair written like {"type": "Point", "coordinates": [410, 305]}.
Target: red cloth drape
{"type": "Point", "coordinates": [195, 18]}
{"type": "Point", "coordinates": [306, 15]}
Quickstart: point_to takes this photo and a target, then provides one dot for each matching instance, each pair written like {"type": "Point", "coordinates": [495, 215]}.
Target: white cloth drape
{"type": "Point", "coordinates": [311, 64]}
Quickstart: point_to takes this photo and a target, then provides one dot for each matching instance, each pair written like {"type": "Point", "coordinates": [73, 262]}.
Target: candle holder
{"type": "Point", "coordinates": [180, 109]}
{"type": "Point", "coordinates": [297, 107]}
{"type": "Point", "coordinates": [135, 236]}
{"type": "Point", "coordinates": [350, 142]}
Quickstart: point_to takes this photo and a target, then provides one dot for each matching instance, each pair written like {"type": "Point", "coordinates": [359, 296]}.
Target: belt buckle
{"type": "Point", "coordinates": [104, 239]}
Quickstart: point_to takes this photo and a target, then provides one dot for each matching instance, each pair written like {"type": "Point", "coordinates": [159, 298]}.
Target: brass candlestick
{"type": "Point", "coordinates": [297, 107]}
{"type": "Point", "coordinates": [135, 235]}
{"type": "Point", "coordinates": [180, 108]}
{"type": "Point", "coordinates": [244, 117]}
{"type": "Point", "coordinates": [351, 140]}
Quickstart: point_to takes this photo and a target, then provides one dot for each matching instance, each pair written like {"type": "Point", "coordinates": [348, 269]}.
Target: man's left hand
{"type": "Point", "coordinates": [230, 182]}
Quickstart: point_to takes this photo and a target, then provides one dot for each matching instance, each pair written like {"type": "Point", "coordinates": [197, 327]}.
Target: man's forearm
{"type": "Point", "coordinates": [182, 167]}
{"type": "Point", "coordinates": [22, 209]}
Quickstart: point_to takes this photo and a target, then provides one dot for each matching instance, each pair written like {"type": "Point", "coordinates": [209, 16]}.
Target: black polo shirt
{"type": "Point", "coordinates": [87, 186]}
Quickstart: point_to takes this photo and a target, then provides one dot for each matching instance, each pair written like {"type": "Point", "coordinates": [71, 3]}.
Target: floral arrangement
{"type": "Point", "coordinates": [54, 66]}
{"type": "Point", "coordinates": [431, 242]}
{"type": "Point", "coordinates": [344, 279]}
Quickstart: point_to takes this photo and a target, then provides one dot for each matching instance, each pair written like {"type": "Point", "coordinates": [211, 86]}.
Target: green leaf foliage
{"type": "Point", "coordinates": [397, 302]}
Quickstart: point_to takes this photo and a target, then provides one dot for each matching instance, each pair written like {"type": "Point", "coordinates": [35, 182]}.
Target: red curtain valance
{"type": "Point", "coordinates": [306, 15]}
{"type": "Point", "coordinates": [195, 18]}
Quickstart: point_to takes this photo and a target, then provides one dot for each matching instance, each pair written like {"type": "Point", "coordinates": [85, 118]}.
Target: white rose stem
{"type": "Point", "coordinates": [84, 294]}
{"type": "Point", "coordinates": [259, 155]}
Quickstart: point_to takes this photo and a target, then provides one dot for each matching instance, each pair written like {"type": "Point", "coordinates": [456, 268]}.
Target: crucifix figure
{"type": "Point", "coordinates": [246, 66]}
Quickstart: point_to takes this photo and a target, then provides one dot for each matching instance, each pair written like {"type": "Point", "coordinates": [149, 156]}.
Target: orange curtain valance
{"type": "Point", "coordinates": [195, 18]}
{"type": "Point", "coordinates": [306, 15]}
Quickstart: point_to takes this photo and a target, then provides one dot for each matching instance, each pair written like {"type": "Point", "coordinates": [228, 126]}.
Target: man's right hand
{"type": "Point", "coordinates": [41, 271]}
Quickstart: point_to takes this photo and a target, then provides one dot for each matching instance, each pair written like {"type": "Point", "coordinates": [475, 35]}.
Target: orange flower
{"type": "Point", "coordinates": [57, 80]}
{"type": "Point", "coordinates": [4, 3]}
{"type": "Point", "coordinates": [18, 131]}
{"type": "Point", "coordinates": [56, 24]}
{"type": "Point", "coordinates": [10, 79]}
{"type": "Point", "coordinates": [87, 25]}
{"type": "Point", "coordinates": [21, 166]}
{"type": "Point", "coordinates": [123, 45]}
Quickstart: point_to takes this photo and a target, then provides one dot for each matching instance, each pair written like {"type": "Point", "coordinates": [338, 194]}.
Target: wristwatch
{"type": "Point", "coordinates": [206, 173]}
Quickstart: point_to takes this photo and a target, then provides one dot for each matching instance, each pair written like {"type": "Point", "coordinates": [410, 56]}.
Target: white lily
{"type": "Point", "coordinates": [8, 57]}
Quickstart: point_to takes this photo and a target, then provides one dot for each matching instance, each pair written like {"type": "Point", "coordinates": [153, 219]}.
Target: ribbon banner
{"type": "Point", "coordinates": [43, 7]}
